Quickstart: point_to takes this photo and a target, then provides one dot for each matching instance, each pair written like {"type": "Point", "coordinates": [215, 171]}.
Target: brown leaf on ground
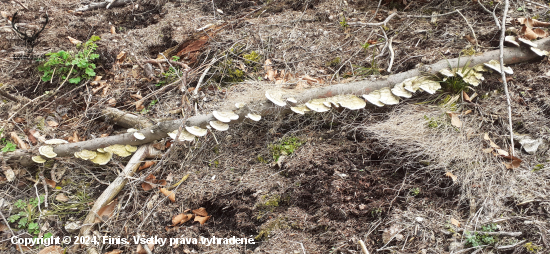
{"type": "Point", "coordinates": [146, 164]}
{"type": "Point", "coordinates": [20, 143]}
{"type": "Point", "coordinates": [528, 33]}
{"type": "Point", "coordinates": [52, 250]}
{"type": "Point", "coordinates": [73, 40]}
{"type": "Point", "coordinates": [3, 227]}
{"type": "Point", "coordinates": [512, 162]}
{"type": "Point", "coordinates": [51, 183]}
{"type": "Point", "coordinates": [455, 121]}
{"type": "Point", "coordinates": [470, 39]}
{"type": "Point", "coordinates": [113, 30]}
{"type": "Point", "coordinates": [181, 218]}
{"type": "Point", "coordinates": [61, 197]}
{"type": "Point", "coordinates": [452, 176]}
{"type": "Point", "coordinates": [529, 22]}
{"type": "Point", "coordinates": [120, 57]}
{"type": "Point", "coordinates": [466, 97]}
{"type": "Point", "coordinates": [201, 212]}
{"type": "Point", "coordinates": [455, 222]}
{"type": "Point", "coordinates": [540, 33]}
{"type": "Point", "coordinates": [52, 123]}
{"type": "Point", "coordinates": [202, 219]}
{"type": "Point", "coordinates": [271, 74]}
{"type": "Point", "coordinates": [170, 194]}
{"type": "Point", "coordinates": [19, 120]}
{"type": "Point", "coordinates": [106, 212]}
{"type": "Point", "coordinates": [141, 250]}
{"type": "Point", "coordinates": [74, 138]}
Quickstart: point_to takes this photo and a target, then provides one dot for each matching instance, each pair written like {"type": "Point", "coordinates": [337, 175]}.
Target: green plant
{"type": "Point", "coordinates": [286, 147]}
{"type": "Point", "coordinates": [373, 69]}
{"type": "Point", "coordinates": [538, 167]}
{"type": "Point", "coordinates": [169, 76]}
{"type": "Point", "coordinates": [77, 65]}
{"type": "Point", "coordinates": [27, 215]}
{"type": "Point", "coordinates": [344, 24]}
{"type": "Point", "coordinates": [175, 58]}
{"type": "Point", "coordinates": [151, 104]}
{"type": "Point", "coordinates": [532, 248]}
{"type": "Point", "coordinates": [252, 58]}
{"type": "Point", "coordinates": [478, 239]}
{"type": "Point", "coordinates": [414, 191]}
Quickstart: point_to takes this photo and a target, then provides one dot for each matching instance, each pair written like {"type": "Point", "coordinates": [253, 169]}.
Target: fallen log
{"type": "Point", "coordinates": [265, 107]}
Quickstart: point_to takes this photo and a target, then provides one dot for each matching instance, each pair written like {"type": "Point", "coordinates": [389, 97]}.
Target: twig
{"type": "Point", "coordinates": [363, 247]}
{"type": "Point", "coordinates": [470, 26]}
{"type": "Point", "coordinates": [7, 224]}
{"type": "Point", "coordinates": [383, 23]}
{"type": "Point", "coordinates": [21, 5]}
{"type": "Point", "coordinates": [538, 4]}
{"type": "Point", "coordinates": [156, 61]}
{"type": "Point", "coordinates": [491, 12]}
{"type": "Point", "coordinates": [8, 96]}
{"type": "Point", "coordinates": [204, 75]}
{"type": "Point", "coordinates": [392, 54]}
{"type": "Point", "coordinates": [436, 15]}
{"type": "Point", "coordinates": [505, 247]}
{"type": "Point", "coordinates": [146, 248]}
{"type": "Point", "coordinates": [503, 74]}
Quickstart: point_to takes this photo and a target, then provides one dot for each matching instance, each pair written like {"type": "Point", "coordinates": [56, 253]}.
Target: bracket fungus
{"type": "Point", "coordinates": [527, 42]}
{"type": "Point", "coordinates": [139, 135]}
{"type": "Point", "coordinates": [429, 86]}
{"type": "Point", "coordinates": [374, 98]}
{"type": "Point", "coordinates": [47, 151]}
{"type": "Point", "coordinates": [85, 155]}
{"type": "Point", "coordinates": [131, 130]}
{"type": "Point", "coordinates": [300, 109]}
{"type": "Point", "coordinates": [254, 117]}
{"type": "Point", "coordinates": [292, 100]}
{"type": "Point", "coordinates": [56, 141]}
{"type": "Point", "coordinates": [219, 126]}
{"type": "Point", "coordinates": [276, 97]}
{"type": "Point", "coordinates": [511, 40]}
{"type": "Point", "coordinates": [197, 131]}
{"type": "Point", "coordinates": [131, 148]}
{"type": "Point", "coordinates": [102, 158]}
{"type": "Point", "coordinates": [317, 105]}
{"type": "Point", "coordinates": [38, 159]}
{"type": "Point", "coordinates": [119, 150]}
{"type": "Point", "coordinates": [225, 116]}
{"type": "Point", "coordinates": [387, 97]}
{"type": "Point", "coordinates": [240, 104]}
{"type": "Point", "coordinates": [495, 65]}
{"type": "Point", "coordinates": [539, 52]}
{"type": "Point", "coordinates": [349, 101]}
{"type": "Point", "coordinates": [184, 135]}
{"type": "Point", "coordinates": [399, 90]}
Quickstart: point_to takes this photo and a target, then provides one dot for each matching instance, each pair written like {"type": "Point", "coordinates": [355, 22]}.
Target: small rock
{"type": "Point", "coordinates": [72, 227]}
{"type": "Point", "coordinates": [529, 144]}
{"type": "Point", "coordinates": [419, 219]}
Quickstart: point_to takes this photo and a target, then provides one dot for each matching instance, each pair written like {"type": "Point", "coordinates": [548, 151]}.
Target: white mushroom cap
{"type": "Point", "coordinates": [102, 158]}
{"type": "Point", "coordinates": [130, 148]}
{"type": "Point", "coordinates": [197, 131]}
{"type": "Point", "coordinates": [447, 73]}
{"type": "Point", "coordinates": [220, 126]}
{"type": "Point", "coordinates": [131, 130]}
{"type": "Point", "coordinates": [47, 151]}
{"type": "Point", "coordinates": [139, 135]}
{"type": "Point", "coordinates": [38, 159]}
{"type": "Point", "coordinates": [528, 42]}
{"type": "Point", "coordinates": [85, 154]}
{"type": "Point", "coordinates": [56, 141]}
{"type": "Point", "coordinates": [276, 97]}
{"type": "Point", "coordinates": [411, 84]}
{"type": "Point", "coordinates": [374, 98]}
{"type": "Point", "coordinates": [429, 86]}
{"type": "Point", "coordinates": [254, 117]}
{"type": "Point", "coordinates": [539, 52]}
{"type": "Point", "coordinates": [100, 150]}
{"type": "Point", "coordinates": [399, 90]}
{"type": "Point", "coordinates": [225, 116]}
{"type": "Point", "coordinates": [300, 109]}
{"type": "Point", "coordinates": [349, 101]}
{"type": "Point", "coordinates": [240, 104]}
{"type": "Point", "coordinates": [292, 100]}
{"type": "Point", "coordinates": [471, 77]}
{"type": "Point", "coordinates": [511, 40]}
{"type": "Point", "coordinates": [119, 150]}
{"type": "Point", "coordinates": [387, 97]}
{"type": "Point", "coordinates": [328, 104]}
{"type": "Point", "coordinates": [495, 65]}
{"type": "Point", "coordinates": [480, 68]}
{"type": "Point", "coordinates": [184, 135]}
{"type": "Point", "coordinates": [317, 105]}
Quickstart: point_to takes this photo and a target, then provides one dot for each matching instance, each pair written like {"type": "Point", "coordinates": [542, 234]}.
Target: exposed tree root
{"type": "Point", "coordinates": [265, 107]}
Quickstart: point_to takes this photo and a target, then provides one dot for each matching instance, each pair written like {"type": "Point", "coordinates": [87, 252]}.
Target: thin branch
{"type": "Point", "coordinates": [204, 75]}
{"type": "Point", "coordinates": [436, 15]}
{"type": "Point", "coordinates": [392, 54]}
{"type": "Point", "coordinates": [383, 23]}
{"type": "Point", "coordinates": [491, 12]}
{"type": "Point", "coordinates": [9, 96]}
{"type": "Point", "coordinates": [471, 28]}
{"type": "Point", "coordinates": [503, 74]}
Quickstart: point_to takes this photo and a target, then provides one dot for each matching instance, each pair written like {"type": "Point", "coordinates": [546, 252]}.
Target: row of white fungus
{"type": "Point", "coordinates": [384, 96]}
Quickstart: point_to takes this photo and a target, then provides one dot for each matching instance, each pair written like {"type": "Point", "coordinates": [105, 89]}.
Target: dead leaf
{"type": "Point", "coordinates": [20, 143]}
{"type": "Point", "coordinates": [532, 22]}
{"type": "Point", "coordinates": [466, 97]}
{"type": "Point", "coordinates": [106, 212]}
{"type": "Point", "coordinates": [146, 165]}
{"type": "Point", "coordinates": [528, 33]}
{"type": "Point", "coordinates": [73, 40]}
{"type": "Point", "coordinates": [51, 183]}
{"type": "Point", "coordinates": [181, 218]}
{"type": "Point", "coordinates": [19, 120]}
{"type": "Point", "coordinates": [487, 150]}
{"type": "Point", "coordinates": [201, 212]}
{"type": "Point", "coordinates": [455, 121]}
{"type": "Point", "coordinates": [201, 219]}
{"type": "Point", "coordinates": [113, 30]}
{"type": "Point", "coordinates": [502, 152]}
{"type": "Point", "coordinates": [52, 250]}
{"type": "Point", "coordinates": [74, 138]}
{"type": "Point", "coordinates": [141, 250]}
{"type": "Point", "coordinates": [512, 162]}
{"type": "Point", "coordinates": [97, 78]}
{"type": "Point", "coordinates": [61, 197]}
{"type": "Point", "coordinates": [170, 194]}
{"type": "Point", "coordinates": [52, 123]}
{"type": "Point", "coordinates": [111, 102]}
{"type": "Point", "coordinates": [470, 39]}
{"type": "Point", "coordinates": [115, 251]}
{"type": "Point", "coordinates": [449, 174]}
{"type": "Point", "coordinates": [270, 72]}
{"type": "Point", "coordinates": [540, 33]}
{"type": "Point", "coordinates": [146, 186]}
{"type": "Point", "coordinates": [467, 112]}
{"type": "Point", "coordinates": [120, 57]}
{"type": "Point", "coordinates": [9, 173]}
{"type": "Point", "coordinates": [455, 222]}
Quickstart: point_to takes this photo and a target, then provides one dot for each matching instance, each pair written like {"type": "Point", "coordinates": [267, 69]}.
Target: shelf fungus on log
{"type": "Point", "coordinates": [511, 40]}
{"type": "Point", "coordinates": [197, 131]}
{"type": "Point", "coordinates": [539, 52]}
{"type": "Point", "coordinates": [184, 135]}
{"type": "Point", "coordinates": [374, 98]}
{"type": "Point", "coordinates": [102, 158]}
{"type": "Point", "coordinates": [317, 105]}
{"type": "Point", "coordinates": [119, 150]}
{"type": "Point", "coordinates": [387, 97]}
{"type": "Point", "coordinates": [85, 154]}
{"type": "Point", "coordinates": [300, 109]}
{"type": "Point", "coordinates": [527, 42]}
{"type": "Point", "coordinates": [219, 126]}
{"type": "Point", "coordinates": [38, 159]}
{"type": "Point", "coordinates": [349, 101]}
{"type": "Point", "coordinates": [254, 117]}
{"type": "Point", "coordinates": [139, 135]}
{"type": "Point", "coordinates": [276, 97]}
{"type": "Point", "coordinates": [399, 90]}
{"type": "Point", "coordinates": [47, 151]}
{"type": "Point", "coordinates": [429, 86]}
{"type": "Point", "coordinates": [56, 141]}
{"type": "Point", "coordinates": [495, 65]}
{"type": "Point", "coordinates": [225, 116]}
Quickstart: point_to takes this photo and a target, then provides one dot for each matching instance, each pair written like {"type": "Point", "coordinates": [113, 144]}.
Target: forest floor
{"type": "Point", "coordinates": [403, 179]}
